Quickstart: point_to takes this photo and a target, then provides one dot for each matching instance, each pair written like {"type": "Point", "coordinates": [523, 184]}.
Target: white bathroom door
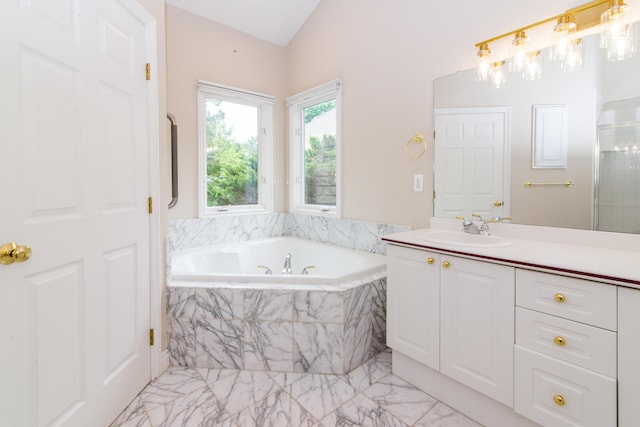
{"type": "Point", "coordinates": [471, 174]}
{"type": "Point", "coordinates": [74, 150]}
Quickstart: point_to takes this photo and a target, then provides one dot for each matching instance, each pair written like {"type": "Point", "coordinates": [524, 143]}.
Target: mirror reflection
{"type": "Point", "coordinates": [559, 151]}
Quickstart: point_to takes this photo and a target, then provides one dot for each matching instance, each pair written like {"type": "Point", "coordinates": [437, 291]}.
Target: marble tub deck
{"type": "Point", "coordinates": [370, 395]}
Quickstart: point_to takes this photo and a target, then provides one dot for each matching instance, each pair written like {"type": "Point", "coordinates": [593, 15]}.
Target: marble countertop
{"type": "Point", "coordinates": [604, 263]}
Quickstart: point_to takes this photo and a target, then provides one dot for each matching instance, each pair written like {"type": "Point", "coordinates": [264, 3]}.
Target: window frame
{"type": "Point", "coordinates": [265, 107]}
{"type": "Point", "coordinates": [296, 105]}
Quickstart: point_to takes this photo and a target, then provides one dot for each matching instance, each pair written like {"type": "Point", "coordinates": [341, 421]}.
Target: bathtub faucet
{"type": "Point", "coordinates": [286, 270]}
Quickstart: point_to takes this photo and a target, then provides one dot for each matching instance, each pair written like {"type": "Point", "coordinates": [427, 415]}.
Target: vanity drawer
{"type": "Point", "coordinates": [555, 393]}
{"type": "Point", "coordinates": [575, 299]}
{"type": "Point", "coordinates": [583, 345]}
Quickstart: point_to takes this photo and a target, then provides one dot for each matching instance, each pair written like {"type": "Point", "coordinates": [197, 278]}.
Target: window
{"type": "Point", "coordinates": [235, 133]}
{"type": "Point", "coordinates": [314, 150]}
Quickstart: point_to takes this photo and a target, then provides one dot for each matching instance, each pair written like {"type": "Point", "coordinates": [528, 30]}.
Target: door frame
{"type": "Point", "coordinates": [506, 152]}
{"type": "Point", "coordinates": [158, 362]}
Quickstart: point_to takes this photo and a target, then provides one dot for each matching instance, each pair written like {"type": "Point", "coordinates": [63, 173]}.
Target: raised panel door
{"type": "Point", "coordinates": [477, 324]}
{"type": "Point", "coordinates": [413, 304]}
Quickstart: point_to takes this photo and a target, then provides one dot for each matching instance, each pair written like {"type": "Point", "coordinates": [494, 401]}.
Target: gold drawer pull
{"type": "Point", "coordinates": [559, 400]}
{"type": "Point", "coordinates": [430, 260]}
{"type": "Point", "coordinates": [446, 264]}
{"type": "Point", "coordinates": [560, 340]}
{"type": "Point", "coordinates": [559, 298]}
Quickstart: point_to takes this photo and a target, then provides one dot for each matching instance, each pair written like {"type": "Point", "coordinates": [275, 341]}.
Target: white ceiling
{"type": "Point", "coordinates": [275, 21]}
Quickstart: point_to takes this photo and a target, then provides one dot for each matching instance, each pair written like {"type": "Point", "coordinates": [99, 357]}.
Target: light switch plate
{"type": "Point", "coordinates": [418, 183]}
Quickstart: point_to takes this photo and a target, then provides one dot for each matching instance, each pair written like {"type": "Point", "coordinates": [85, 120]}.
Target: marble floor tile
{"type": "Point", "coordinates": [277, 409]}
{"type": "Point", "coordinates": [368, 396]}
{"type": "Point", "coordinates": [400, 398]}
{"type": "Point", "coordinates": [442, 415]}
{"type": "Point", "coordinates": [361, 411]}
{"type": "Point", "coordinates": [242, 389]}
{"type": "Point", "coordinates": [135, 415]}
{"type": "Point", "coordinates": [370, 372]}
{"type": "Point", "coordinates": [320, 394]}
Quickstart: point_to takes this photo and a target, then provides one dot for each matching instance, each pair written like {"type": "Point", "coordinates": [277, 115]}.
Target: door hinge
{"type": "Point", "coordinates": [150, 204]}
{"type": "Point", "coordinates": [152, 338]}
{"type": "Point", "coordinates": [434, 134]}
{"type": "Point", "coordinates": [147, 69]}
{"type": "Point", "coordinates": [434, 194]}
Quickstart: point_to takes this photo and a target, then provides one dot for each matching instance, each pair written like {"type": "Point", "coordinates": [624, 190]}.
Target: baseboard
{"type": "Point", "coordinates": [471, 403]}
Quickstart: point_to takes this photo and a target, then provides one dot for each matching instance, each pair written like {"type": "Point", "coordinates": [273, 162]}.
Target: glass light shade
{"type": "Point", "coordinates": [563, 34]}
{"type": "Point", "coordinates": [573, 59]}
{"type": "Point", "coordinates": [518, 52]}
{"type": "Point", "coordinates": [498, 77]}
{"type": "Point", "coordinates": [533, 66]}
{"type": "Point", "coordinates": [617, 31]}
{"type": "Point", "coordinates": [483, 62]}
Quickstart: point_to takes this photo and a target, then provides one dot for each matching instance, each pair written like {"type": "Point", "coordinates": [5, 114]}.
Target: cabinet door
{"type": "Point", "coordinates": [478, 326]}
{"type": "Point", "coordinates": [413, 304]}
{"type": "Point", "coordinates": [628, 357]}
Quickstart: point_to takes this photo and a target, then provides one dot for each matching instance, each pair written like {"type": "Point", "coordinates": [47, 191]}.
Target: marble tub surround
{"type": "Point", "coordinates": [192, 233]}
{"type": "Point", "coordinates": [368, 396]}
{"type": "Point", "coordinates": [324, 329]}
{"type": "Point", "coordinates": [347, 233]}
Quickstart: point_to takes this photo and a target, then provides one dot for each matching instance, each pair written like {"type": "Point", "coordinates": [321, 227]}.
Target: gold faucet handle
{"type": "Point", "coordinates": [500, 219]}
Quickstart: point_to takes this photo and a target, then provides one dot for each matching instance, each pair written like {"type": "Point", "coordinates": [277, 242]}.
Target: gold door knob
{"type": "Point", "coordinates": [560, 340]}
{"type": "Point", "coordinates": [559, 400]}
{"type": "Point", "coordinates": [445, 264]}
{"type": "Point", "coordinates": [10, 253]}
{"type": "Point", "coordinates": [498, 203]}
{"type": "Point", "coordinates": [430, 260]}
{"type": "Point", "coordinates": [560, 298]}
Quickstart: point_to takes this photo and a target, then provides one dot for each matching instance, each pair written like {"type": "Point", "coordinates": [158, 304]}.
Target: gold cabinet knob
{"type": "Point", "coordinates": [559, 298]}
{"type": "Point", "coordinates": [11, 252]}
{"type": "Point", "coordinates": [560, 340]}
{"type": "Point", "coordinates": [498, 203]}
{"type": "Point", "coordinates": [430, 260]}
{"type": "Point", "coordinates": [445, 264]}
{"type": "Point", "coordinates": [559, 400]}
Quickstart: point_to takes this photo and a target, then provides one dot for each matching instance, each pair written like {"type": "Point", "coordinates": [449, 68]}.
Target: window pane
{"type": "Point", "coordinates": [232, 153]}
{"type": "Point", "coordinates": [320, 154]}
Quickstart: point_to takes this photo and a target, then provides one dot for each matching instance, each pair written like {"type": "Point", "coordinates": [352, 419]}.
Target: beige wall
{"type": "Point", "coordinates": [386, 53]}
{"type": "Point", "coordinates": [200, 49]}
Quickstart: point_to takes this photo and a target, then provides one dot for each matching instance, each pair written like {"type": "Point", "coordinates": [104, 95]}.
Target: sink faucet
{"type": "Point", "coordinates": [286, 270]}
{"type": "Point", "coordinates": [468, 226]}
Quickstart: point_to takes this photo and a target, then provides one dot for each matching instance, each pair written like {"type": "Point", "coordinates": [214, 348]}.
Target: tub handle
{"type": "Point", "coordinates": [267, 270]}
{"type": "Point", "coordinates": [306, 269]}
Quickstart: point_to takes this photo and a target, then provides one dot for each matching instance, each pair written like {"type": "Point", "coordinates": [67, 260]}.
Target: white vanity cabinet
{"type": "Point", "coordinates": [454, 315]}
{"type": "Point", "coordinates": [529, 334]}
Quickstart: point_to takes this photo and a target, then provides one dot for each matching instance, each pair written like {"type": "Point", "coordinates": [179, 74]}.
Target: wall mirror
{"type": "Point", "coordinates": [592, 113]}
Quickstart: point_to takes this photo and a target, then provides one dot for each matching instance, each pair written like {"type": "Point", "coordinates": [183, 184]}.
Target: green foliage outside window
{"type": "Point", "coordinates": [232, 167]}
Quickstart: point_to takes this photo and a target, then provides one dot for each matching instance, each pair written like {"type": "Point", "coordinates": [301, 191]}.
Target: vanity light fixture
{"type": "Point", "coordinates": [497, 77]}
{"type": "Point", "coordinates": [518, 52]}
{"type": "Point", "coordinates": [564, 30]}
{"type": "Point", "coordinates": [616, 37]}
{"type": "Point", "coordinates": [617, 31]}
{"type": "Point", "coordinates": [532, 66]}
{"type": "Point", "coordinates": [573, 59]}
{"type": "Point", "coordinates": [483, 62]}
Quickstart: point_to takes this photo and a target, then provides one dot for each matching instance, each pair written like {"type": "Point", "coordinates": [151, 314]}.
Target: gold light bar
{"type": "Point", "coordinates": [586, 16]}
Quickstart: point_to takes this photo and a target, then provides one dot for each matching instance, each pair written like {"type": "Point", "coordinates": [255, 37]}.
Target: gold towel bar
{"type": "Point", "coordinates": [567, 184]}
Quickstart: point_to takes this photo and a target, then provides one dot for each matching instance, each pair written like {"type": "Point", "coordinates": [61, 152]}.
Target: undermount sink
{"type": "Point", "coordinates": [463, 239]}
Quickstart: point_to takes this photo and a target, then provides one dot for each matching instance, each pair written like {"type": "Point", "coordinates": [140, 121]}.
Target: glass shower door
{"type": "Point", "coordinates": [617, 196]}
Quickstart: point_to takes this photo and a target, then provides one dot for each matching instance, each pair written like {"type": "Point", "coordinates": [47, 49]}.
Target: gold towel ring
{"type": "Point", "coordinates": [418, 138]}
